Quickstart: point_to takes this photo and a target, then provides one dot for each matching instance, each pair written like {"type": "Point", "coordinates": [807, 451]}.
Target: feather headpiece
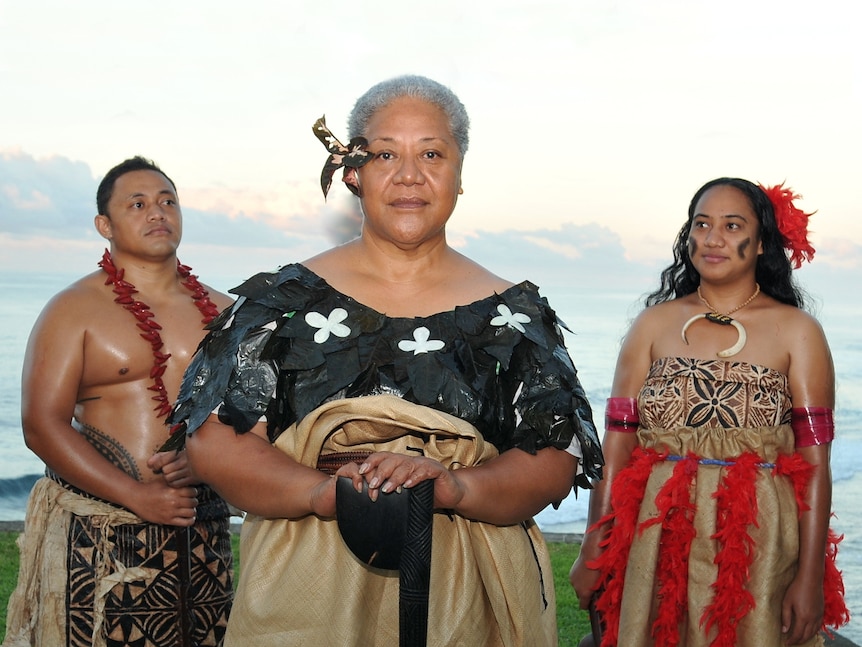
{"type": "Point", "coordinates": [792, 223]}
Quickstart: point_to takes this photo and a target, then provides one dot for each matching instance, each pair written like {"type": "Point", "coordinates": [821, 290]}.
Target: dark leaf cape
{"type": "Point", "coordinates": [291, 342]}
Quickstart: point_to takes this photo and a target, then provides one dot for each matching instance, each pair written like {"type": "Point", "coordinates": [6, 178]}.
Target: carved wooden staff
{"type": "Point", "coordinates": [184, 569]}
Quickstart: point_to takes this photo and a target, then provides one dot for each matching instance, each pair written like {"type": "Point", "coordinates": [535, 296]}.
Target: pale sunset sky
{"type": "Point", "coordinates": [593, 122]}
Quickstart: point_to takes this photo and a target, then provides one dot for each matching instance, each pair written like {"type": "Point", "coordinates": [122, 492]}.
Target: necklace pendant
{"type": "Point", "coordinates": [723, 320]}
{"type": "Point", "coordinates": [718, 318]}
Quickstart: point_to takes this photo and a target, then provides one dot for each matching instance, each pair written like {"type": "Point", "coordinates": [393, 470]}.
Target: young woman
{"type": "Point", "coordinates": [711, 524]}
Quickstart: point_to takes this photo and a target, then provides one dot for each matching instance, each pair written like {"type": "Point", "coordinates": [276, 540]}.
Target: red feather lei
{"type": "Point", "coordinates": [736, 511]}
{"type": "Point", "coordinates": [146, 322]}
{"type": "Point", "coordinates": [626, 496]}
{"type": "Point", "coordinates": [792, 223]}
{"type": "Point", "coordinates": [676, 518]}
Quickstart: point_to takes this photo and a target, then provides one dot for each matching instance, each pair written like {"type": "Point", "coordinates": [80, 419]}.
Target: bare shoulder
{"type": "Point", "coordinates": [333, 261]}
{"type": "Point", "coordinates": [802, 329]}
{"type": "Point", "coordinates": [656, 317]}
{"type": "Point", "coordinates": [797, 317]}
{"type": "Point", "coordinates": [64, 322]}
{"type": "Point", "coordinates": [80, 297]}
{"type": "Point", "coordinates": [334, 255]}
{"type": "Point", "coordinates": [480, 278]}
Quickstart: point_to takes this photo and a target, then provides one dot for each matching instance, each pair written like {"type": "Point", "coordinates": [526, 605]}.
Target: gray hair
{"type": "Point", "coordinates": [420, 87]}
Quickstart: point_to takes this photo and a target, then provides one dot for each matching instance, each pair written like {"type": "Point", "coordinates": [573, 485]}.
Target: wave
{"type": "Point", "coordinates": [18, 487]}
{"type": "Point", "coordinates": [13, 496]}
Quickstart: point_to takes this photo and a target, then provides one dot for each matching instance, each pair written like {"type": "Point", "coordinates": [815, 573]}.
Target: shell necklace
{"type": "Point", "coordinates": [725, 319]}
{"type": "Point", "coordinates": [147, 323]}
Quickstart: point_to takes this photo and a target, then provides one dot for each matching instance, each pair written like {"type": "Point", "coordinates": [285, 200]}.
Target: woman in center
{"type": "Point", "coordinates": [397, 351]}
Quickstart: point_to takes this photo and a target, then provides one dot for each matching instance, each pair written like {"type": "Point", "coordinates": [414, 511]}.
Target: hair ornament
{"type": "Point", "coordinates": [792, 223]}
{"type": "Point", "coordinates": [352, 156]}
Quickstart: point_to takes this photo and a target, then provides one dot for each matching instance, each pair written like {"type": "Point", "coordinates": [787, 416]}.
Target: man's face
{"type": "Point", "coordinates": [144, 215]}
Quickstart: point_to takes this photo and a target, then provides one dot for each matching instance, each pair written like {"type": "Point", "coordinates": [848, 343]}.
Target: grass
{"type": "Point", "coordinates": [572, 623]}
{"type": "Point", "coordinates": [8, 573]}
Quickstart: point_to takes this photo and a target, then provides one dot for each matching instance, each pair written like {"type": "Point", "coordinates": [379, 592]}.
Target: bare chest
{"type": "Point", "coordinates": [120, 348]}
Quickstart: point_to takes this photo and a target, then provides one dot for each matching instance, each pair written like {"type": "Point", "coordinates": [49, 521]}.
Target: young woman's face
{"type": "Point", "coordinates": [724, 239]}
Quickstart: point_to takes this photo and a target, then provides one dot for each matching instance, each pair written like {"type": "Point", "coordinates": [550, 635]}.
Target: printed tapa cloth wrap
{"type": "Point", "coordinates": [299, 583]}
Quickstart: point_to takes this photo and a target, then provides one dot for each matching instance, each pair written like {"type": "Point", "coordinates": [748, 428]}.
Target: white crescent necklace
{"type": "Point", "coordinates": [725, 319]}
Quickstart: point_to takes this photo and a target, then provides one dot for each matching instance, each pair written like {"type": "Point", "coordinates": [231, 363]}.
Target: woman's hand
{"type": "Point", "coordinates": [802, 610]}
{"type": "Point", "coordinates": [386, 472]}
{"type": "Point", "coordinates": [583, 579]}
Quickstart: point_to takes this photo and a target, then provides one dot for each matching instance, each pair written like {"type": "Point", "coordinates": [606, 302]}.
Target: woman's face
{"type": "Point", "coordinates": [411, 185]}
{"type": "Point", "coordinates": [724, 239]}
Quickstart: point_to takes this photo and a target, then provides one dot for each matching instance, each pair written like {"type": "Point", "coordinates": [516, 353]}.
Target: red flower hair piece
{"type": "Point", "coordinates": [792, 223]}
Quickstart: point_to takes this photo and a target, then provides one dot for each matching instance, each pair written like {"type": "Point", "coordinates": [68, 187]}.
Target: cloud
{"type": "Point", "coordinates": [577, 257]}
{"type": "Point", "coordinates": [229, 234]}
{"type": "Point", "coordinates": [52, 195]}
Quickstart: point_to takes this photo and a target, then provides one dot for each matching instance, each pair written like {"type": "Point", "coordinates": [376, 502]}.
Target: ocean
{"type": "Point", "coordinates": [598, 320]}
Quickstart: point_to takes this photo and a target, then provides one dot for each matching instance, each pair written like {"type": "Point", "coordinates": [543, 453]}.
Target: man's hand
{"type": "Point", "coordinates": [158, 502]}
{"type": "Point", "coordinates": [175, 468]}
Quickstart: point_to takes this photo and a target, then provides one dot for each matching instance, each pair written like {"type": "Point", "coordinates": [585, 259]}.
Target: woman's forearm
{"type": "Point", "coordinates": [515, 485]}
{"type": "Point", "coordinates": [250, 473]}
{"type": "Point", "coordinates": [814, 522]}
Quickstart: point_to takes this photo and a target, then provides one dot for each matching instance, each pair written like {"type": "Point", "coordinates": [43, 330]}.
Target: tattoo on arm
{"type": "Point", "coordinates": [110, 448]}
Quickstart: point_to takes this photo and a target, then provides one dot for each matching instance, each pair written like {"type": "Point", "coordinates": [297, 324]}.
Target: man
{"type": "Point", "coordinates": [116, 528]}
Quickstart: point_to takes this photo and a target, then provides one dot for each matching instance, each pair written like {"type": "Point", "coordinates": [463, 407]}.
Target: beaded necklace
{"type": "Point", "coordinates": [146, 320]}
{"type": "Point", "coordinates": [729, 312]}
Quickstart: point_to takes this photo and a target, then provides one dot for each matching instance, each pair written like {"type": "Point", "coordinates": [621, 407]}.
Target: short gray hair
{"type": "Point", "coordinates": [411, 85]}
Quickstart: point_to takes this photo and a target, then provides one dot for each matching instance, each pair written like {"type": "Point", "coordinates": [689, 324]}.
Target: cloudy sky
{"type": "Point", "coordinates": [594, 122]}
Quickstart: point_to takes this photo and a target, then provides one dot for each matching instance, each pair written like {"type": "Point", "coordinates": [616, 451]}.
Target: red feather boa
{"type": "Point", "coordinates": [626, 496]}
{"type": "Point", "coordinates": [676, 518]}
{"type": "Point", "coordinates": [737, 511]}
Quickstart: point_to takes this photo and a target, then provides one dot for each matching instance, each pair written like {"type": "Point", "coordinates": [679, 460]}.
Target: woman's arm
{"type": "Point", "coordinates": [812, 384]}
{"type": "Point", "coordinates": [506, 490]}
{"type": "Point", "coordinates": [249, 472]}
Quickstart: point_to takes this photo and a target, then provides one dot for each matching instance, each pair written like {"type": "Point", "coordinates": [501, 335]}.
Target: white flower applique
{"type": "Point", "coordinates": [330, 325]}
{"type": "Point", "coordinates": [509, 318]}
{"type": "Point", "coordinates": [420, 342]}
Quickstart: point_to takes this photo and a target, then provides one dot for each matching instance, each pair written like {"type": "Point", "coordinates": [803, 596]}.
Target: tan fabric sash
{"type": "Point", "coordinates": [300, 585]}
{"type": "Point", "coordinates": [37, 607]}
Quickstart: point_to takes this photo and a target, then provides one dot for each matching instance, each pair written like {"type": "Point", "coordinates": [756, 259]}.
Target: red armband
{"type": "Point", "coordinates": [812, 426]}
{"type": "Point", "coordinates": [621, 414]}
